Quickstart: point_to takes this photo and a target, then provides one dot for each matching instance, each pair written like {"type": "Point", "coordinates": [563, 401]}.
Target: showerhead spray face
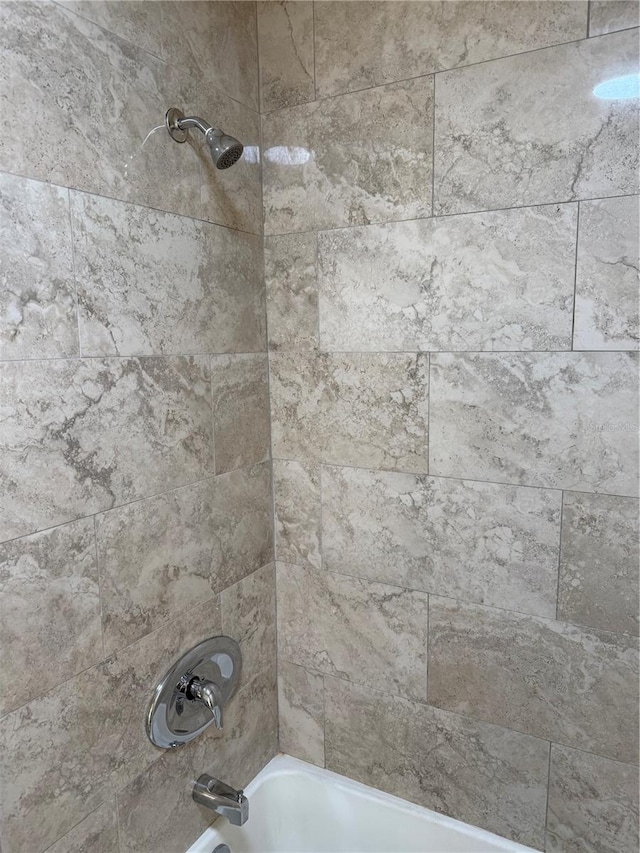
{"type": "Point", "coordinates": [225, 150]}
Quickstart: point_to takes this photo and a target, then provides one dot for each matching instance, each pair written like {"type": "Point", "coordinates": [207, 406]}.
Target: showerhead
{"type": "Point", "coordinates": [225, 150]}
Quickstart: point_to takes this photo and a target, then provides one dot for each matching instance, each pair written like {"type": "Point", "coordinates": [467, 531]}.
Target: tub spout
{"type": "Point", "coordinates": [221, 799]}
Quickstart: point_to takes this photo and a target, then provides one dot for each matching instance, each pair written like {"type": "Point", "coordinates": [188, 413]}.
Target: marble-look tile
{"type": "Point", "coordinates": [152, 283]}
{"type": "Point", "coordinates": [217, 43]}
{"type": "Point", "coordinates": [240, 394]}
{"type": "Point", "coordinates": [97, 833]}
{"type": "Point", "coordinates": [296, 494]}
{"type": "Point", "coordinates": [285, 34]}
{"type": "Point", "coordinates": [593, 804]}
{"type": "Point", "coordinates": [47, 783]}
{"type": "Point", "coordinates": [364, 44]}
{"type": "Point", "coordinates": [301, 712]}
{"type": "Point", "coordinates": [501, 280]}
{"type": "Point", "coordinates": [547, 678]}
{"type": "Point", "coordinates": [370, 633]}
{"type": "Point", "coordinates": [607, 16]}
{"type": "Point", "coordinates": [481, 542]}
{"type": "Point", "coordinates": [365, 409]}
{"type": "Point", "coordinates": [528, 130]}
{"type": "Point", "coordinates": [249, 616]}
{"type": "Point", "coordinates": [599, 563]}
{"type": "Point", "coordinates": [560, 420]}
{"type": "Point", "coordinates": [58, 63]}
{"type": "Point", "coordinates": [49, 611]}
{"type": "Point", "coordinates": [351, 160]}
{"type": "Point", "coordinates": [292, 293]}
{"type": "Point", "coordinates": [37, 299]}
{"type": "Point", "coordinates": [132, 20]}
{"type": "Point", "coordinates": [475, 772]}
{"type": "Point", "coordinates": [65, 420]}
{"type": "Point", "coordinates": [606, 312]}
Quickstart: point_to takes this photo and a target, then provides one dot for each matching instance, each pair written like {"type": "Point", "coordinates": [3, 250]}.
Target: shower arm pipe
{"type": "Point", "coordinates": [194, 121]}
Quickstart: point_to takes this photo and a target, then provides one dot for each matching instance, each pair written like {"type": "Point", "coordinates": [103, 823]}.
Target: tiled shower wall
{"type": "Point", "coordinates": [134, 473]}
{"type": "Point", "coordinates": [451, 260]}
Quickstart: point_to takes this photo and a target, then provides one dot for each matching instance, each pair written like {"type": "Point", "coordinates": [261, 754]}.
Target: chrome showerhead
{"type": "Point", "coordinates": [225, 150]}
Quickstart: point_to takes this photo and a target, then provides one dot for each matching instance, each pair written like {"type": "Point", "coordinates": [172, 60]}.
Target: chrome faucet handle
{"type": "Point", "coordinates": [209, 694]}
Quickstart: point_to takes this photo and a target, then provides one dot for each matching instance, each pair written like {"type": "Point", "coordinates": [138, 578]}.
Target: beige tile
{"type": "Point", "coordinates": [152, 283]}
{"type": "Point", "coordinates": [606, 312]}
{"type": "Point", "coordinates": [599, 564]}
{"type": "Point", "coordinates": [49, 611]}
{"type": "Point", "coordinates": [547, 678]}
{"type": "Point", "coordinates": [365, 409]}
{"type": "Point", "coordinates": [481, 542]}
{"type": "Point", "coordinates": [528, 130]}
{"type": "Point", "coordinates": [97, 833]}
{"type": "Point", "coordinates": [351, 160]}
{"type": "Point", "coordinates": [296, 492]}
{"type": "Point", "coordinates": [479, 773]}
{"type": "Point", "coordinates": [285, 34]}
{"type": "Point", "coordinates": [301, 712]}
{"type": "Point", "coordinates": [138, 22]}
{"type": "Point", "coordinates": [240, 393]}
{"type": "Point", "coordinates": [593, 804]}
{"type": "Point", "coordinates": [362, 44]}
{"type": "Point", "coordinates": [607, 16]}
{"type": "Point", "coordinates": [501, 280]}
{"type": "Point", "coordinates": [370, 633]}
{"type": "Point", "coordinates": [292, 293]}
{"type": "Point", "coordinates": [37, 300]}
{"type": "Point", "coordinates": [64, 421]}
{"type": "Point", "coordinates": [557, 420]}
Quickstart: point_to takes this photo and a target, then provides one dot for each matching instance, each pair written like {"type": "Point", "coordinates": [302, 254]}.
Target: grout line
{"type": "Point", "coordinates": [559, 556]}
{"type": "Point", "coordinates": [588, 18]}
{"type": "Point", "coordinates": [143, 356]}
{"type": "Point", "coordinates": [575, 282]}
{"type": "Point", "coordinates": [546, 812]}
{"type": "Point", "coordinates": [74, 272]}
{"type": "Point", "coordinates": [99, 574]}
{"type": "Point", "coordinates": [433, 152]}
{"type": "Point", "coordinates": [313, 42]}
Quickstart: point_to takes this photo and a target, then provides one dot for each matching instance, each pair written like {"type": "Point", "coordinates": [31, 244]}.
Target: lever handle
{"type": "Point", "coordinates": [208, 693]}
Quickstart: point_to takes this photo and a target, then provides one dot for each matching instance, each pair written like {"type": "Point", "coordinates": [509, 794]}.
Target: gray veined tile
{"type": "Point", "coordinates": [481, 542]}
{"type": "Point", "coordinates": [296, 494]}
{"type": "Point", "coordinates": [489, 776]}
{"type": "Point", "coordinates": [362, 44]}
{"type": "Point", "coordinates": [49, 610]}
{"type": "Point", "coordinates": [593, 804]}
{"type": "Point", "coordinates": [499, 280]}
{"type": "Point", "coordinates": [607, 275]}
{"type": "Point", "coordinates": [365, 409]}
{"type": "Point", "coordinates": [240, 393]}
{"type": "Point", "coordinates": [152, 283]}
{"type": "Point", "coordinates": [607, 16]}
{"type": "Point", "coordinates": [599, 563]}
{"type": "Point", "coordinates": [527, 129]}
{"type": "Point", "coordinates": [292, 293]}
{"type": "Point", "coordinates": [550, 679]}
{"type": "Point", "coordinates": [97, 833]}
{"type": "Point", "coordinates": [557, 420]}
{"type": "Point", "coordinates": [285, 33]}
{"type": "Point", "coordinates": [301, 712]}
{"type": "Point", "coordinates": [37, 299]}
{"type": "Point", "coordinates": [351, 160]}
{"type": "Point", "coordinates": [64, 421]}
{"type": "Point", "coordinates": [370, 633]}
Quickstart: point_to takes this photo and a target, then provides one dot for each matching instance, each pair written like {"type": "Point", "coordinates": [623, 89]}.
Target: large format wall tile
{"type": "Point", "coordinates": [37, 299]}
{"type": "Point", "coordinates": [301, 712]}
{"type": "Point", "coordinates": [370, 633]}
{"type": "Point", "coordinates": [65, 421]}
{"type": "Point", "coordinates": [352, 160]}
{"type": "Point", "coordinates": [363, 44]}
{"type": "Point", "coordinates": [365, 409]}
{"type": "Point", "coordinates": [240, 393]}
{"type": "Point", "coordinates": [152, 283]}
{"type": "Point", "coordinates": [49, 611]}
{"type": "Point", "coordinates": [296, 495]}
{"type": "Point", "coordinates": [96, 98]}
{"type": "Point", "coordinates": [292, 293]}
{"type": "Point", "coordinates": [528, 130]}
{"type": "Point", "coordinates": [561, 420]}
{"type": "Point", "coordinates": [479, 542]}
{"type": "Point", "coordinates": [593, 804]}
{"type": "Point", "coordinates": [607, 16]}
{"type": "Point", "coordinates": [551, 679]}
{"type": "Point", "coordinates": [606, 312]}
{"type": "Point", "coordinates": [501, 280]}
{"type": "Point", "coordinates": [475, 772]}
{"type": "Point", "coordinates": [97, 833]}
{"type": "Point", "coordinates": [285, 33]}
{"type": "Point", "coordinates": [599, 564]}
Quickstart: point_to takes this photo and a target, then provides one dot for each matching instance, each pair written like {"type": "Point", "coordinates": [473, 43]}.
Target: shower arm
{"type": "Point", "coordinates": [194, 121]}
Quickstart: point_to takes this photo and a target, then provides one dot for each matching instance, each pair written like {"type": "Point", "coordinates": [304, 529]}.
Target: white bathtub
{"type": "Point", "coordinates": [295, 807]}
